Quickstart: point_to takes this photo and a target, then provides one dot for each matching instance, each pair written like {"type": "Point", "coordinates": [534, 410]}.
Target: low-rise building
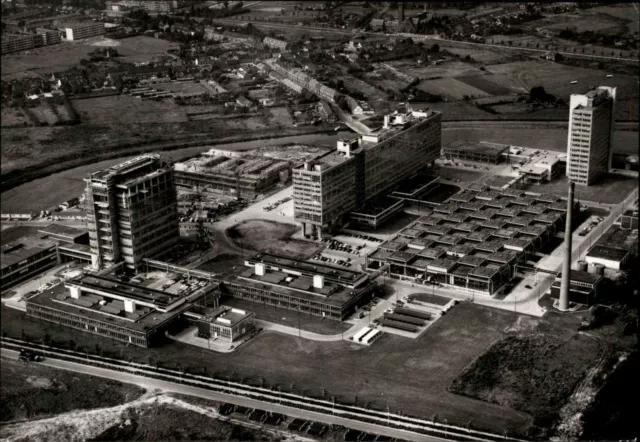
{"type": "Point", "coordinates": [629, 220]}
{"type": "Point", "coordinates": [610, 257]}
{"type": "Point", "coordinates": [226, 323]}
{"type": "Point", "coordinates": [475, 151]}
{"type": "Point", "coordinates": [275, 43]}
{"type": "Point", "coordinates": [25, 258]}
{"type": "Point", "coordinates": [583, 287]}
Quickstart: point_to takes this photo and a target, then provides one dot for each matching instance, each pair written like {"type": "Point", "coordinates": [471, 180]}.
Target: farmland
{"type": "Point", "coordinates": [125, 109]}
{"type": "Point", "coordinates": [451, 88]}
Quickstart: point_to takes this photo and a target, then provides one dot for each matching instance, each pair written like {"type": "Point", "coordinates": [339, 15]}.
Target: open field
{"type": "Point", "coordinates": [484, 84]}
{"type": "Point", "coordinates": [610, 189]}
{"type": "Point", "coordinates": [271, 237]}
{"type": "Point", "coordinates": [535, 374]}
{"type": "Point", "coordinates": [451, 89]}
{"type": "Point", "coordinates": [449, 69]}
{"type": "Point", "coordinates": [289, 318]}
{"type": "Point", "coordinates": [30, 391]}
{"type": "Point", "coordinates": [486, 56]}
{"type": "Point", "coordinates": [222, 263]}
{"type": "Point", "coordinates": [426, 365]}
{"type": "Point", "coordinates": [125, 109]}
{"type": "Point", "coordinates": [556, 78]}
{"type": "Point", "coordinates": [13, 116]}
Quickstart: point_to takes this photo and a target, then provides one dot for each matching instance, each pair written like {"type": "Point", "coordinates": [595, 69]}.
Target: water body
{"type": "Point", "coordinates": [54, 189]}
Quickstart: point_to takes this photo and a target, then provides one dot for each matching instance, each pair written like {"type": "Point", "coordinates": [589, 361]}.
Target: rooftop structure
{"type": "Point", "coordinates": [24, 258]}
{"type": "Point", "coordinates": [475, 151]}
{"type": "Point", "coordinates": [610, 257]}
{"type": "Point", "coordinates": [227, 323]}
{"type": "Point", "coordinates": [64, 233]}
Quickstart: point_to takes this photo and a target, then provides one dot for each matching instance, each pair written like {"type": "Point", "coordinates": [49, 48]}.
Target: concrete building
{"type": "Point", "coordinates": [590, 134]}
{"type": "Point", "coordinates": [151, 6]}
{"type": "Point", "coordinates": [132, 211]}
{"type": "Point", "coordinates": [226, 323]}
{"type": "Point", "coordinates": [361, 168]}
{"type": "Point", "coordinates": [583, 287]}
{"type": "Point", "coordinates": [136, 313]}
{"type": "Point", "coordinates": [629, 220]}
{"type": "Point", "coordinates": [610, 257]}
{"type": "Point", "coordinates": [79, 31]}
{"type": "Point", "coordinates": [25, 258]}
{"type": "Point", "coordinates": [15, 43]}
{"type": "Point", "coordinates": [308, 287]}
{"type": "Point", "coordinates": [481, 152]}
{"type": "Point", "coordinates": [545, 169]}
{"type": "Point", "coordinates": [242, 175]}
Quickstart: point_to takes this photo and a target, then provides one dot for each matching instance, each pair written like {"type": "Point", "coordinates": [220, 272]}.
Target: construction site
{"type": "Point", "coordinates": [246, 174]}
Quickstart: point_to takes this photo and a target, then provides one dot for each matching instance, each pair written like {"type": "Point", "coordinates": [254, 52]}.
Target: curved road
{"type": "Point", "coordinates": [150, 383]}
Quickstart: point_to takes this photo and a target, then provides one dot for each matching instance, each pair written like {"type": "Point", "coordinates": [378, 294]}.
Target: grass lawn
{"type": "Point", "coordinates": [222, 263]}
{"type": "Point", "coordinates": [31, 391]}
{"type": "Point", "coordinates": [609, 189]}
{"type": "Point", "coordinates": [465, 176]}
{"type": "Point", "coordinates": [431, 299]}
{"type": "Point", "coordinates": [289, 318]}
{"type": "Point", "coordinates": [535, 374]}
{"type": "Point", "coordinates": [125, 109]}
{"type": "Point", "coordinates": [406, 374]}
{"type": "Point", "coordinates": [271, 237]}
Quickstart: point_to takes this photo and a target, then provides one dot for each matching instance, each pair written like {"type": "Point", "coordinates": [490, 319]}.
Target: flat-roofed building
{"type": "Point", "coordinates": [583, 287]}
{"type": "Point", "coordinates": [590, 134]}
{"type": "Point", "coordinates": [610, 257]}
{"type": "Point", "coordinates": [308, 287]}
{"type": "Point", "coordinates": [79, 31]}
{"type": "Point", "coordinates": [241, 175]}
{"type": "Point", "coordinates": [333, 185]}
{"type": "Point", "coordinates": [132, 211]}
{"type": "Point", "coordinates": [275, 43]}
{"type": "Point", "coordinates": [482, 152]}
{"type": "Point", "coordinates": [473, 206]}
{"type": "Point", "coordinates": [66, 234]}
{"type": "Point", "coordinates": [526, 201]}
{"type": "Point", "coordinates": [128, 312]}
{"type": "Point", "coordinates": [226, 323]}
{"type": "Point", "coordinates": [544, 169]}
{"type": "Point", "coordinates": [24, 258]}
{"type": "Point", "coordinates": [629, 220]}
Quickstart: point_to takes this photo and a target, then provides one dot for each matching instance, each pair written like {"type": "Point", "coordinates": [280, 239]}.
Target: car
{"type": "Point", "coordinates": [528, 286]}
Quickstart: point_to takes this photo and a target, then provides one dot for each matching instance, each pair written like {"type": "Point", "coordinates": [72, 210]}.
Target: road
{"type": "Point", "coordinates": [419, 37]}
{"type": "Point", "coordinates": [166, 386]}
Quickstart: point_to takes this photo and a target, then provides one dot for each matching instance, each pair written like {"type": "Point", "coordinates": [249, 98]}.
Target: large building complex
{"type": "Point", "coordinates": [240, 175]}
{"type": "Point", "coordinates": [135, 312]}
{"type": "Point", "coordinates": [329, 187]}
{"type": "Point", "coordinates": [590, 134]}
{"type": "Point", "coordinates": [152, 6]}
{"type": "Point", "coordinates": [25, 258]}
{"type": "Point", "coordinates": [78, 31]}
{"type": "Point", "coordinates": [308, 287]}
{"type": "Point", "coordinates": [132, 211]}
{"type": "Point", "coordinates": [43, 37]}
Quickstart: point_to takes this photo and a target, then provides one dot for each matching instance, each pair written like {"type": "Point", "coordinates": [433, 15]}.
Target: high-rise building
{"type": "Point", "coordinates": [132, 211]}
{"type": "Point", "coordinates": [361, 168]}
{"type": "Point", "coordinates": [590, 134]}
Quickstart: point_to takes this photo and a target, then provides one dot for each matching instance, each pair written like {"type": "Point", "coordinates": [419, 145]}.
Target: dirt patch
{"type": "Point", "coordinates": [271, 237]}
{"type": "Point", "coordinates": [535, 374]}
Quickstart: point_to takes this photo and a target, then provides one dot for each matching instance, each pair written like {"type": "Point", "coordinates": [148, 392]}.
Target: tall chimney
{"type": "Point", "coordinates": [566, 265]}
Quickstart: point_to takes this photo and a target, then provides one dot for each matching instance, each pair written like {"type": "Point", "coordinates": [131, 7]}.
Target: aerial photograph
{"type": "Point", "coordinates": [319, 221]}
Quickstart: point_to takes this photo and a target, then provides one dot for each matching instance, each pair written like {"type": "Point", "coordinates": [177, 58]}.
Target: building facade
{"type": "Point", "coordinates": [361, 168]}
{"type": "Point", "coordinates": [83, 30]}
{"type": "Point", "coordinates": [590, 134]}
{"type": "Point", "coordinates": [227, 324]}
{"type": "Point", "coordinates": [132, 212]}
{"type": "Point", "coordinates": [26, 258]}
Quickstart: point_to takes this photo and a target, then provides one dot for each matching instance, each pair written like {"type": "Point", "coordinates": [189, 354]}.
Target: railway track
{"type": "Point", "coordinates": [327, 407]}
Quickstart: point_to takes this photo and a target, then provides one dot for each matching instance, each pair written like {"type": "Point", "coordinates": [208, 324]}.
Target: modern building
{"type": "Point", "coordinates": [15, 43]}
{"type": "Point", "coordinates": [25, 258]}
{"type": "Point", "coordinates": [307, 287]}
{"type": "Point", "coordinates": [481, 152]}
{"type": "Point", "coordinates": [610, 257]}
{"type": "Point", "coordinates": [132, 211]}
{"type": "Point", "coordinates": [583, 287]}
{"type": "Point", "coordinates": [590, 134]}
{"type": "Point", "coordinates": [79, 31]}
{"type": "Point", "coordinates": [136, 313]}
{"type": "Point", "coordinates": [151, 6]}
{"type": "Point", "coordinates": [226, 323]}
{"type": "Point", "coordinates": [326, 189]}
{"type": "Point", "coordinates": [243, 175]}
{"type": "Point", "coordinates": [544, 169]}
{"type": "Point", "coordinates": [629, 220]}
{"type": "Point", "coordinates": [65, 234]}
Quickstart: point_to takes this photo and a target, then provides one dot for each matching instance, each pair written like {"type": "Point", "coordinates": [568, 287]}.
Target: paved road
{"type": "Point", "coordinates": [207, 394]}
{"type": "Point", "coordinates": [418, 37]}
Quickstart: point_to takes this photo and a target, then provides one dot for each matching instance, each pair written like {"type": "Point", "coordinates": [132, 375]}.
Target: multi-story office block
{"type": "Point", "coordinates": [132, 211]}
{"type": "Point", "coordinates": [590, 134]}
{"type": "Point", "coordinates": [359, 169]}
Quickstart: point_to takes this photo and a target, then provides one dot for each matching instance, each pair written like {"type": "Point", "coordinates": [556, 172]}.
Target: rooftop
{"type": "Point", "coordinates": [144, 319]}
{"type": "Point", "coordinates": [580, 276]}
{"type": "Point", "coordinates": [17, 251]}
{"type": "Point", "coordinates": [480, 148]}
{"type": "Point", "coordinates": [608, 253]}
{"type": "Point", "coordinates": [62, 230]}
{"type": "Point", "coordinates": [226, 315]}
{"type": "Point", "coordinates": [241, 165]}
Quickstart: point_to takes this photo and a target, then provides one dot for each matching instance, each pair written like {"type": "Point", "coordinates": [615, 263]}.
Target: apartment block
{"type": "Point", "coordinates": [79, 31]}
{"type": "Point", "coordinates": [326, 189]}
{"type": "Point", "coordinates": [590, 134]}
{"type": "Point", "coordinates": [132, 212]}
